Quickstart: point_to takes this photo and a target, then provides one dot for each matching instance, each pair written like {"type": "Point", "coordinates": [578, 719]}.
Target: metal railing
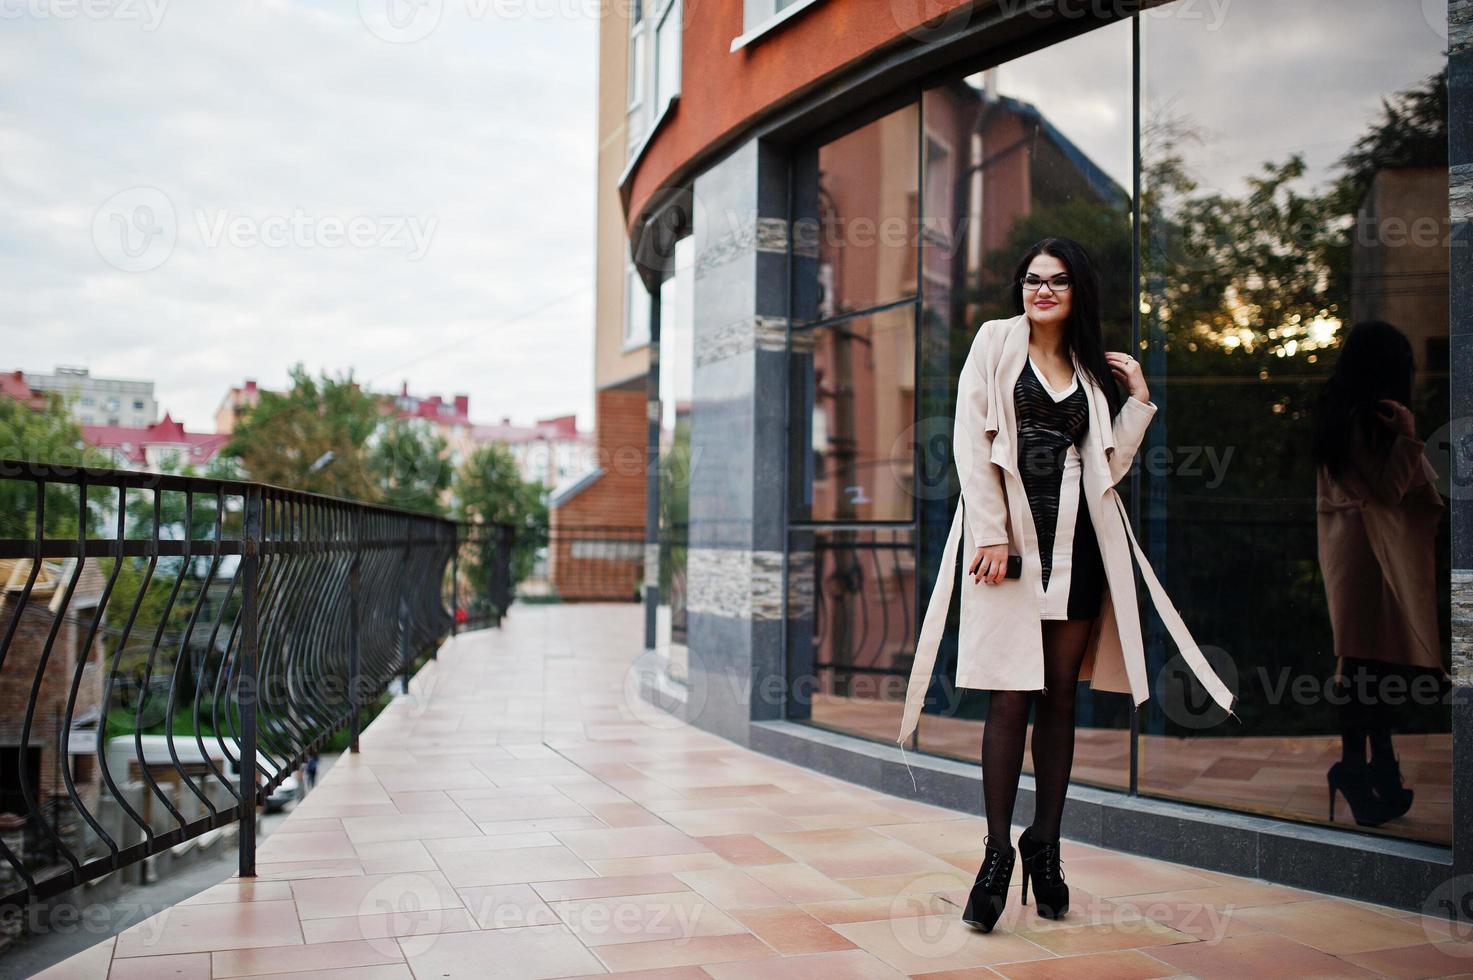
{"type": "Point", "coordinates": [174, 647]}
{"type": "Point", "coordinates": [589, 563]}
{"type": "Point", "coordinates": [481, 584]}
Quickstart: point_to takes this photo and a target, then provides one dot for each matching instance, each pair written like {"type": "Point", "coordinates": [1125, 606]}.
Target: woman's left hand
{"type": "Point", "coordinates": [1127, 371]}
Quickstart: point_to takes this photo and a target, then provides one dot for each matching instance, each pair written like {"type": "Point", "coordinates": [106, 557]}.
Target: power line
{"type": "Point", "coordinates": [481, 333]}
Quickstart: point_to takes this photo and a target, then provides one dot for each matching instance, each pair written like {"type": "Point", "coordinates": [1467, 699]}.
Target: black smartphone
{"type": "Point", "coordinates": [1015, 567]}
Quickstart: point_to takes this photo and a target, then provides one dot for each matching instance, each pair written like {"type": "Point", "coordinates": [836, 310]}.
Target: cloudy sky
{"type": "Point", "coordinates": [197, 193]}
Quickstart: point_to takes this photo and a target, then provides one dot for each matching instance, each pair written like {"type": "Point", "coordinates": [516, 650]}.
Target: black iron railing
{"type": "Point", "coordinates": [173, 648]}
{"type": "Point", "coordinates": [481, 574]}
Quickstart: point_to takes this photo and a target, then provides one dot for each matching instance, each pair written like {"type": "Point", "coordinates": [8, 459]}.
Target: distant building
{"type": "Point", "coordinates": [100, 401]}
{"type": "Point", "coordinates": [68, 674]}
{"type": "Point", "coordinates": [550, 451]}
{"type": "Point", "coordinates": [155, 446]}
{"type": "Point", "coordinates": [453, 416]}
{"type": "Point", "coordinates": [149, 445]}
{"type": "Point", "coordinates": [236, 400]}
{"type": "Point", "coordinates": [13, 385]}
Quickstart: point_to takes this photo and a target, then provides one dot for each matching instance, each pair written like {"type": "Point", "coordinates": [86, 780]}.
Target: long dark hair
{"type": "Point", "coordinates": [1375, 362]}
{"type": "Point", "coordinates": [1082, 332]}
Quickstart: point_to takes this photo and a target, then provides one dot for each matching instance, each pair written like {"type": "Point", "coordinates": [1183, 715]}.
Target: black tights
{"type": "Point", "coordinates": [1365, 715]}
{"type": "Point", "coordinates": [1006, 727]}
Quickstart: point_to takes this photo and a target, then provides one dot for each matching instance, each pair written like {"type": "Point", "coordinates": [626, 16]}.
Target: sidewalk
{"type": "Point", "coordinates": [513, 818]}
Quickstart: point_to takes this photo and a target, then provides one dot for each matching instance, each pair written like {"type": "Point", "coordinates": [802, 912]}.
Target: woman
{"type": "Point", "coordinates": [1378, 514]}
{"type": "Point", "coordinates": [1041, 438]}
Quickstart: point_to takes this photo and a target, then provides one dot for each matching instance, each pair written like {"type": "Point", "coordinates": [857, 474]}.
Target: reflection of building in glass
{"type": "Point", "coordinates": [858, 214]}
{"type": "Point", "coordinates": [1400, 258]}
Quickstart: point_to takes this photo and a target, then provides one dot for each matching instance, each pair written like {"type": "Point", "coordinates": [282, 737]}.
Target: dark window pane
{"type": "Point", "coordinates": [856, 210]}
{"type": "Point", "coordinates": [853, 403]}
{"type": "Point", "coordinates": [1037, 147]}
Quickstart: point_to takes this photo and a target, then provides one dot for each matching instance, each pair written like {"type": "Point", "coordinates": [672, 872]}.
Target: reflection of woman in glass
{"type": "Point", "coordinates": [1378, 513]}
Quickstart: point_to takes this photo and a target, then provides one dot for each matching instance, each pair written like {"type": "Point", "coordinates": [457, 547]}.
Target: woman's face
{"type": "Point", "coordinates": [1043, 305]}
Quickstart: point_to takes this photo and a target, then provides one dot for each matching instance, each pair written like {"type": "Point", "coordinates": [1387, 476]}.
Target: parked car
{"type": "Point", "coordinates": [289, 789]}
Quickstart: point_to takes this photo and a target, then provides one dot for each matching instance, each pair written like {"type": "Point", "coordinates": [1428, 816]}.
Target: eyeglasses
{"type": "Point", "coordinates": [1057, 284]}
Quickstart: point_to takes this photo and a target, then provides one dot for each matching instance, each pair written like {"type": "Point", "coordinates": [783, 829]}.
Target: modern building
{"type": "Point", "coordinates": [100, 401]}
{"type": "Point", "coordinates": [806, 209]}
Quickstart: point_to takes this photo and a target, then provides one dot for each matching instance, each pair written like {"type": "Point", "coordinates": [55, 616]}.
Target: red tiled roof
{"type": "Point", "coordinates": [13, 385]}
{"type": "Point", "coordinates": [132, 443]}
{"type": "Point", "coordinates": [559, 428]}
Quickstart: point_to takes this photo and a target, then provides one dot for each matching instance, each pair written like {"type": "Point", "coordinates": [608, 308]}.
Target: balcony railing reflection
{"type": "Point", "coordinates": [857, 588]}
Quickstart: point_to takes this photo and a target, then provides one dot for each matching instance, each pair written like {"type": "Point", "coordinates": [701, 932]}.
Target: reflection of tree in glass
{"type": "Point", "coordinates": [675, 476]}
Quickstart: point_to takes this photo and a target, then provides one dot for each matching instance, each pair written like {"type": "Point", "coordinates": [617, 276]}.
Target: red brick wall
{"type": "Point", "coordinates": [22, 659]}
{"type": "Point", "coordinates": [615, 500]}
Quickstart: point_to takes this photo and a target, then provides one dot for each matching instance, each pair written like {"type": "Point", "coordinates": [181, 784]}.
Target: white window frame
{"type": "Point", "coordinates": [638, 47]}
{"type": "Point", "coordinates": [635, 335]}
{"type": "Point", "coordinates": [761, 17]}
{"type": "Point", "coordinates": [661, 20]}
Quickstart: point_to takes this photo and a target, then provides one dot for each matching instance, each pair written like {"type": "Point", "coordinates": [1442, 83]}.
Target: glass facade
{"type": "Point", "coordinates": [1267, 235]}
{"type": "Point", "coordinates": [1259, 238]}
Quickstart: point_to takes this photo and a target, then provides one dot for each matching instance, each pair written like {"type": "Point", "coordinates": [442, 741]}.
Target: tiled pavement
{"type": "Point", "coordinates": [514, 816]}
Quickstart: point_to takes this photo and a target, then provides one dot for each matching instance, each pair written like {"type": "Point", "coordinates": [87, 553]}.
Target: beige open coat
{"type": "Point", "coordinates": [1377, 551]}
{"type": "Point", "coordinates": [1000, 646]}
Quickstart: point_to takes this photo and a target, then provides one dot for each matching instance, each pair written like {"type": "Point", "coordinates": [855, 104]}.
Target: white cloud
{"type": "Point", "coordinates": [483, 132]}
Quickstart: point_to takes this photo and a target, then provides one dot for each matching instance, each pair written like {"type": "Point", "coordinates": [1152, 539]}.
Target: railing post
{"type": "Point", "coordinates": [455, 580]}
{"type": "Point", "coordinates": [507, 535]}
{"type": "Point", "coordinates": [248, 690]}
{"type": "Point", "coordinates": [355, 663]}
{"type": "Point", "coordinates": [404, 653]}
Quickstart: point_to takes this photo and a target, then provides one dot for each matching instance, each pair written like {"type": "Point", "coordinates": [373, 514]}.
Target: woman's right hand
{"type": "Point", "coordinates": [990, 564]}
{"type": "Point", "coordinates": [1397, 417]}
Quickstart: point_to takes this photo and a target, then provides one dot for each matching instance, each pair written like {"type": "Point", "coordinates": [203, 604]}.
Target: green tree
{"type": "Point", "coordinates": [409, 461]}
{"type": "Point", "coordinates": [490, 490]}
{"type": "Point", "coordinates": [281, 438]}
{"type": "Point", "coordinates": [45, 435]}
{"type": "Point", "coordinates": [1245, 299]}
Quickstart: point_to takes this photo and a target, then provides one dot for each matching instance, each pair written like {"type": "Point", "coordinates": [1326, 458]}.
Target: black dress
{"type": "Point", "coordinates": [1050, 426]}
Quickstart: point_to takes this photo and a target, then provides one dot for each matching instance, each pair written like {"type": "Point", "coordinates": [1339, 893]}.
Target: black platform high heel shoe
{"type": "Point", "coordinates": [1040, 864]}
{"type": "Point", "coordinates": [1353, 781]}
{"type": "Point", "coordinates": [1386, 781]}
{"type": "Point", "coordinates": [990, 891]}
